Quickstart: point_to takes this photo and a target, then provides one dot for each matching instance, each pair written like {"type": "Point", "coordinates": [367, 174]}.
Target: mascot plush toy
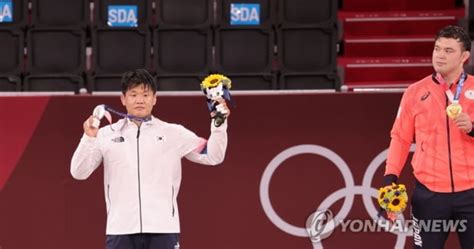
{"type": "Point", "coordinates": [215, 87]}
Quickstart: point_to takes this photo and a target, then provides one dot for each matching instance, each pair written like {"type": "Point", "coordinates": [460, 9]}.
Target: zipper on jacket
{"type": "Point", "coordinates": [172, 201]}
{"type": "Point", "coordinates": [449, 150]}
{"type": "Point", "coordinates": [108, 198]}
{"type": "Point", "coordinates": [138, 169]}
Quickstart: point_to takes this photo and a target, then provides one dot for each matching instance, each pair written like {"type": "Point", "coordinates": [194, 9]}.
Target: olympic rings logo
{"type": "Point", "coordinates": [348, 192]}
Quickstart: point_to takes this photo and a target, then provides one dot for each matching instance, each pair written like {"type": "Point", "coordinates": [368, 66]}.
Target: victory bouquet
{"type": "Point", "coordinates": [393, 199]}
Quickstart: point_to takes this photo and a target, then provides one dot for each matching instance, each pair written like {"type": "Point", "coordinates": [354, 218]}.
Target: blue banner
{"type": "Point", "coordinates": [122, 16]}
{"type": "Point", "coordinates": [6, 11]}
{"type": "Point", "coordinates": [244, 14]}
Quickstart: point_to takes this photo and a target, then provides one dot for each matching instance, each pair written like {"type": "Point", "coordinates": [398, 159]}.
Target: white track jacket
{"type": "Point", "coordinates": [142, 170]}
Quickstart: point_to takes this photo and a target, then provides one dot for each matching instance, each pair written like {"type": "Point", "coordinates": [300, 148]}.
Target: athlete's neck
{"type": "Point", "coordinates": [452, 77]}
{"type": "Point", "coordinates": [137, 122]}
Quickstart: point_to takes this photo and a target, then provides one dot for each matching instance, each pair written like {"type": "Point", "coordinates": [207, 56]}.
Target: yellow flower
{"type": "Point", "coordinates": [393, 198]}
{"type": "Point", "coordinates": [397, 205]}
{"type": "Point", "coordinates": [214, 80]}
{"type": "Point", "coordinates": [382, 198]}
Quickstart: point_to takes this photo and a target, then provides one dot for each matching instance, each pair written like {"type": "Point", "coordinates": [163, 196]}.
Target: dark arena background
{"type": "Point", "coordinates": [317, 84]}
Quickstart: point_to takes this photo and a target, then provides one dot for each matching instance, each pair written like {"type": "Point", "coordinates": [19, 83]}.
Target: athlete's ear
{"type": "Point", "coordinates": [122, 99]}
{"type": "Point", "coordinates": [465, 56]}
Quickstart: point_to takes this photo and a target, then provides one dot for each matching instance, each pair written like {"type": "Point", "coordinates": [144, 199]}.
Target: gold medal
{"type": "Point", "coordinates": [453, 110]}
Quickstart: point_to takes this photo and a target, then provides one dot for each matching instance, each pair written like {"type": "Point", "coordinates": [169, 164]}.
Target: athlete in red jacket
{"type": "Point", "coordinates": [443, 163]}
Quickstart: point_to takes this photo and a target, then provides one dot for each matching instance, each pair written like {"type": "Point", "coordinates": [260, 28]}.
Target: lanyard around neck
{"type": "Point", "coordinates": [454, 98]}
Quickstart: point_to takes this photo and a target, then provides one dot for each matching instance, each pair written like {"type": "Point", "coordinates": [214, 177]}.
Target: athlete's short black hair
{"type": "Point", "coordinates": [456, 33]}
{"type": "Point", "coordinates": [137, 77]}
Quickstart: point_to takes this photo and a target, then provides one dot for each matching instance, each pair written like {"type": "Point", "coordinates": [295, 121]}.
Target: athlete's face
{"type": "Point", "coordinates": [139, 101]}
{"type": "Point", "coordinates": [449, 56]}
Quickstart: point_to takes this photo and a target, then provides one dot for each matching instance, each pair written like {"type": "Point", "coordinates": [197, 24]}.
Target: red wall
{"type": "Point", "coordinates": [41, 206]}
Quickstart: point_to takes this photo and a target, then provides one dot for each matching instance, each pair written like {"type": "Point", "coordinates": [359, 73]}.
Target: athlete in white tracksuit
{"type": "Point", "coordinates": [142, 167]}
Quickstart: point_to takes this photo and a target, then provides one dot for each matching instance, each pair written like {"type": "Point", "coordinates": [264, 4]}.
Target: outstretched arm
{"type": "Point", "coordinates": [212, 151]}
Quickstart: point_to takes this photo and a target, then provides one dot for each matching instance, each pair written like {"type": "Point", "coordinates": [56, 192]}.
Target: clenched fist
{"type": "Point", "coordinates": [90, 130]}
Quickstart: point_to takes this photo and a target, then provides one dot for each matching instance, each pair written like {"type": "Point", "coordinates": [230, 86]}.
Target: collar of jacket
{"type": "Point", "coordinates": [433, 77]}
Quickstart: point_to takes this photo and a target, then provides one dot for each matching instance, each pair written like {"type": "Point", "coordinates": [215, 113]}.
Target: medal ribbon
{"type": "Point", "coordinates": [459, 88]}
{"type": "Point", "coordinates": [453, 98]}
{"type": "Point", "coordinates": [124, 115]}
